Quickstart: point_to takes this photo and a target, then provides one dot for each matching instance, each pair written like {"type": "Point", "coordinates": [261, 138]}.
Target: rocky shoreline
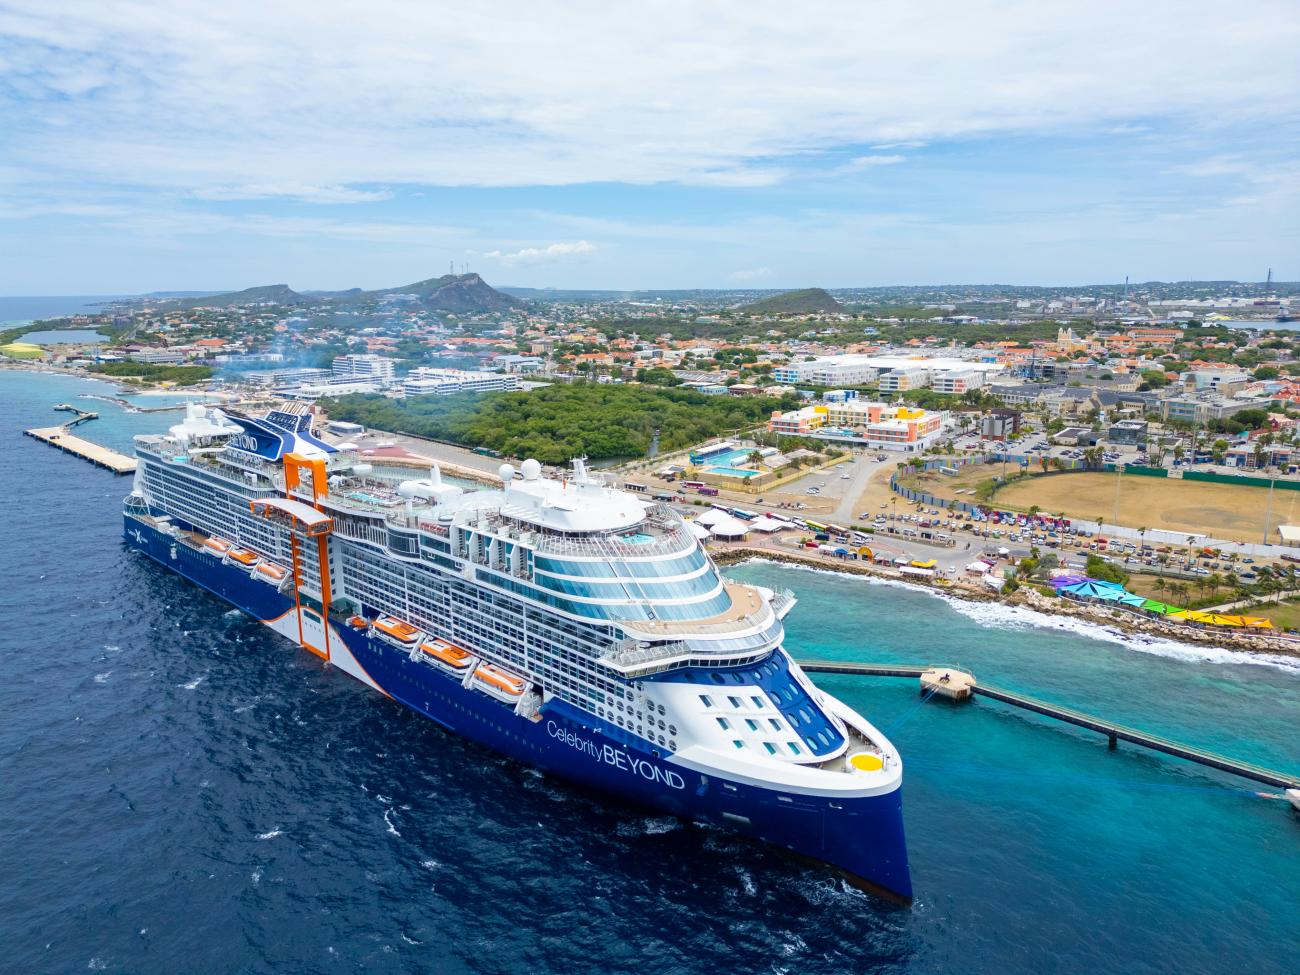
{"type": "Point", "coordinates": [1029, 598]}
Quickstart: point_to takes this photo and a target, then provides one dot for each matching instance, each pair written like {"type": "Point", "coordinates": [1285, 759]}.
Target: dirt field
{"type": "Point", "coordinates": [1221, 510]}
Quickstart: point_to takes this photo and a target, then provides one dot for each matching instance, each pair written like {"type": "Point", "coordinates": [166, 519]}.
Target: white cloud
{"type": "Point", "coordinates": [323, 100]}
{"type": "Point", "coordinates": [752, 274]}
{"type": "Point", "coordinates": [543, 255]}
{"type": "Point", "coordinates": [865, 162]}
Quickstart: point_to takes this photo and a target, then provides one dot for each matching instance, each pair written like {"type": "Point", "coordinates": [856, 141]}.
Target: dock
{"type": "Point", "coordinates": [99, 456]}
{"type": "Point", "coordinates": [1114, 732]}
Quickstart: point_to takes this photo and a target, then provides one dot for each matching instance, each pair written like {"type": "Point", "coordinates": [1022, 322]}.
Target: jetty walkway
{"type": "Point", "coordinates": [1113, 731]}
{"type": "Point", "coordinates": [69, 443]}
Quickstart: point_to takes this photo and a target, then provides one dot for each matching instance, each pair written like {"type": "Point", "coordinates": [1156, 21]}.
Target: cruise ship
{"type": "Point", "coordinates": [571, 625]}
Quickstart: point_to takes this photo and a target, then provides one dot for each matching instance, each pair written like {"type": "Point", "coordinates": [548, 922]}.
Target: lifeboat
{"type": "Point", "coordinates": [447, 656]}
{"type": "Point", "coordinates": [358, 622]}
{"type": "Point", "coordinates": [397, 631]}
{"type": "Point", "coordinates": [270, 572]}
{"type": "Point", "coordinates": [245, 557]}
{"type": "Point", "coordinates": [216, 546]}
{"type": "Point", "coordinates": [501, 684]}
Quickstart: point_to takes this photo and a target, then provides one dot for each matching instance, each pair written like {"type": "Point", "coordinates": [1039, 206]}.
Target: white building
{"type": "Point", "coordinates": [445, 382]}
{"type": "Point", "coordinates": [376, 368]}
{"type": "Point", "coordinates": [915, 371]}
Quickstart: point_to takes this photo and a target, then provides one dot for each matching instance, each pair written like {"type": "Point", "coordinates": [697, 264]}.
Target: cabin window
{"type": "Point", "coordinates": [771, 749]}
{"type": "Point", "coordinates": [738, 743]}
{"type": "Point", "coordinates": [753, 725]}
{"type": "Point", "coordinates": [794, 747]}
{"type": "Point", "coordinates": [724, 724]}
{"type": "Point", "coordinates": [706, 700]}
{"type": "Point", "coordinates": [734, 701]}
{"type": "Point", "coordinates": [758, 701]}
{"type": "Point", "coordinates": [776, 725]}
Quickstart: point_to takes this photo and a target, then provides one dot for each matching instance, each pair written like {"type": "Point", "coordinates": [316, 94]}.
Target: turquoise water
{"type": "Point", "coordinates": [1028, 838]}
{"type": "Point", "coordinates": [733, 472]}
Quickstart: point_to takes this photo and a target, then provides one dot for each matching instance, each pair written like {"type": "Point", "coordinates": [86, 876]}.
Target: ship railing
{"type": "Point", "coordinates": [782, 600]}
{"type": "Point", "coordinates": [631, 659]}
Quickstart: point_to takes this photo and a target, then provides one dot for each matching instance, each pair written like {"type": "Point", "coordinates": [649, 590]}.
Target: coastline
{"type": "Point", "coordinates": [1129, 626]}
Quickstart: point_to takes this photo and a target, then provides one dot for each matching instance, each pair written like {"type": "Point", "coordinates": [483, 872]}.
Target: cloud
{"type": "Point", "coordinates": [543, 255]}
{"type": "Point", "coordinates": [865, 162]}
{"type": "Point", "coordinates": [752, 274]}
{"type": "Point", "coordinates": [324, 101]}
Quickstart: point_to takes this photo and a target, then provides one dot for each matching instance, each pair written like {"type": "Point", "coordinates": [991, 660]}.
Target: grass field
{"type": "Point", "coordinates": [1229, 511]}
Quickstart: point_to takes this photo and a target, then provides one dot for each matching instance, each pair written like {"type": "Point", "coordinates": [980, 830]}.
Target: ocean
{"type": "Point", "coordinates": [15, 309]}
{"type": "Point", "coordinates": [184, 791]}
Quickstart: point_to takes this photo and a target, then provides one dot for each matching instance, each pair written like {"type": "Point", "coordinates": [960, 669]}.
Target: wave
{"type": "Point", "coordinates": [995, 615]}
{"type": "Point", "coordinates": [391, 828]}
{"type": "Point", "coordinates": [270, 835]}
{"type": "Point", "coordinates": [191, 685]}
{"type": "Point", "coordinates": [103, 678]}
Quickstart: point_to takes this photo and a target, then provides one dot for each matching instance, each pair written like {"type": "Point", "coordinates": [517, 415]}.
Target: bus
{"type": "Point", "coordinates": [744, 515]}
{"type": "Point", "coordinates": [693, 485]}
{"type": "Point", "coordinates": [709, 492]}
{"type": "Point", "coordinates": [629, 486]}
{"type": "Point", "coordinates": [815, 525]}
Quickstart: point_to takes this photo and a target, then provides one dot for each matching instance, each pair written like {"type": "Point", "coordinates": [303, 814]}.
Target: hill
{"type": "Point", "coordinates": [267, 294]}
{"type": "Point", "coordinates": [459, 293]}
{"type": "Point", "coordinates": [803, 302]}
{"type": "Point", "coordinates": [454, 293]}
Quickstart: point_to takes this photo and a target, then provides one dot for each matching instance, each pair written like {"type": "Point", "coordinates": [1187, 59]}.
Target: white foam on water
{"type": "Point", "coordinates": [430, 864]}
{"type": "Point", "coordinates": [270, 835]}
{"type": "Point", "coordinates": [409, 941]}
{"type": "Point", "coordinates": [257, 876]}
{"type": "Point", "coordinates": [191, 685]}
{"type": "Point", "coordinates": [1001, 616]}
{"type": "Point", "coordinates": [747, 881]}
{"type": "Point", "coordinates": [232, 613]}
{"type": "Point", "coordinates": [102, 678]}
{"type": "Point", "coordinates": [111, 647]}
{"type": "Point", "coordinates": [391, 828]}
{"type": "Point", "coordinates": [97, 964]}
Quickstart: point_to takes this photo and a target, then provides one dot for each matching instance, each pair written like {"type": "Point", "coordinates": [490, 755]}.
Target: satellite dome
{"type": "Point", "coordinates": [531, 469]}
{"type": "Point", "coordinates": [507, 473]}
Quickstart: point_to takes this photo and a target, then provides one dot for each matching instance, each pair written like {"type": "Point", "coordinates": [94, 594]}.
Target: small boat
{"type": "Point", "coordinates": [397, 631]}
{"type": "Point", "coordinates": [269, 572]}
{"type": "Point", "coordinates": [447, 656]}
{"type": "Point", "coordinates": [358, 622]}
{"type": "Point", "coordinates": [500, 683]}
{"type": "Point", "coordinates": [216, 546]}
{"type": "Point", "coordinates": [245, 557]}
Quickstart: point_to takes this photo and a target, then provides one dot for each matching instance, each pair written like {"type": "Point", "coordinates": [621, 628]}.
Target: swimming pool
{"type": "Point", "coordinates": [733, 472]}
{"type": "Point", "coordinates": [730, 457]}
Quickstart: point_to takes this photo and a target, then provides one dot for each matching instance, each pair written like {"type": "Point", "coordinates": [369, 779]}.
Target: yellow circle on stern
{"type": "Point", "coordinates": [866, 762]}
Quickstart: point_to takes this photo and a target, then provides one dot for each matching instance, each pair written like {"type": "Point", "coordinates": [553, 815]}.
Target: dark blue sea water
{"type": "Point", "coordinates": [183, 791]}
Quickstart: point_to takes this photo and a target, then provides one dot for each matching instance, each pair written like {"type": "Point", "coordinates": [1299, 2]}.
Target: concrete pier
{"type": "Point", "coordinates": [99, 456]}
{"type": "Point", "coordinates": [1114, 732]}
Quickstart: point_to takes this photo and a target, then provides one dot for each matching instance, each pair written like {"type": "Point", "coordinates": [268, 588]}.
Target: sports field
{"type": "Point", "coordinates": [1220, 510]}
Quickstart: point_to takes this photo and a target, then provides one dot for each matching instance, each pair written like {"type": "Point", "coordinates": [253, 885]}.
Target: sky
{"type": "Point", "coordinates": [169, 144]}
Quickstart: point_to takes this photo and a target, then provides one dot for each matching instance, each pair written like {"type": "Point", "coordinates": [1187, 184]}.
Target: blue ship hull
{"type": "Point", "coordinates": [860, 837]}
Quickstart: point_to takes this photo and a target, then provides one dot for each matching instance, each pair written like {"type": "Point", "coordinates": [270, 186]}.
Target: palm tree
{"type": "Point", "coordinates": [1214, 581]}
{"type": "Point", "coordinates": [1160, 585]}
{"type": "Point", "coordinates": [755, 458]}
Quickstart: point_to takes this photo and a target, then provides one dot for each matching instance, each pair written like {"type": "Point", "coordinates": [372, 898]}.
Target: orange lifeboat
{"type": "Point", "coordinates": [500, 683]}
{"type": "Point", "coordinates": [358, 622]}
{"type": "Point", "coordinates": [397, 631]}
{"type": "Point", "coordinates": [443, 653]}
{"type": "Point", "coordinates": [245, 557]}
{"type": "Point", "coordinates": [271, 573]}
{"type": "Point", "coordinates": [216, 546]}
